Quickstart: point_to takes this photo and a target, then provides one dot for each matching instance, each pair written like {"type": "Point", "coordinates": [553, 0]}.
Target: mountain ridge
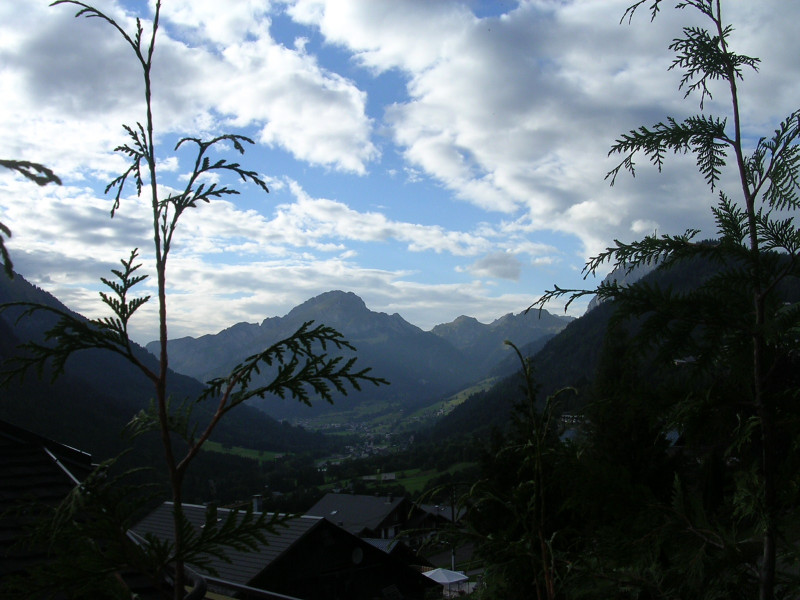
{"type": "Point", "coordinates": [422, 366]}
{"type": "Point", "coordinates": [102, 391]}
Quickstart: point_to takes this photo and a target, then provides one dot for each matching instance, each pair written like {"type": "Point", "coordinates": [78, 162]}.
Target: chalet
{"type": "Point", "coordinates": [311, 558]}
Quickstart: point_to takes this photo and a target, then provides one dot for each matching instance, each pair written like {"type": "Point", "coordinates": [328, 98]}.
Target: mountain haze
{"type": "Point", "coordinates": [484, 345]}
{"type": "Point", "coordinates": [422, 366]}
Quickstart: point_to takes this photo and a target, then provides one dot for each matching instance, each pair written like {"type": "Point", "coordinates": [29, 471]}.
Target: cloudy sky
{"type": "Point", "coordinates": [436, 157]}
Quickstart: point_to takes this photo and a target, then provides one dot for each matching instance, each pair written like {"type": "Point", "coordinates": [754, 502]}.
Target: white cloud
{"type": "Point", "coordinates": [644, 227]}
{"type": "Point", "coordinates": [311, 219]}
{"type": "Point", "coordinates": [81, 81]}
{"type": "Point", "coordinates": [378, 31]}
{"type": "Point", "coordinates": [516, 112]}
{"type": "Point", "coordinates": [497, 265]}
{"type": "Point", "coordinates": [490, 148]}
{"type": "Point", "coordinates": [316, 115]}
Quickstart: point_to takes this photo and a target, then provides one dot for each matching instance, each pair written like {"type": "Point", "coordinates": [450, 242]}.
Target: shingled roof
{"type": "Point", "coordinates": [361, 515]}
{"type": "Point", "coordinates": [244, 566]}
{"type": "Point", "coordinates": [310, 558]}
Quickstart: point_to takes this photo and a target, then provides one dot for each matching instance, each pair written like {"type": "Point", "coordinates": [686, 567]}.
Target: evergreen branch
{"type": "Point", "coordinates": [191, 195]}
{"type": "Point", "coordinates": [655, 7]}
{"type": "Point", "coordinates": [301, 368]}
{"type": "Point", "coordinates": [704, 136]}
{"type": "Point", "coordinates": [72, 333]}
{"type": "Point", "coordinates": [781, 174]}
{"type": "Point", "coordinates": [40, 175]}
{"type": "Point", "coordinates": [204, 165]}
{"type": "Point", "coordinates": [8, 266]}
{"type": "Point", "coordinates": [36, 172]}
{"type": "Point", "coordinates": [122, 307]}
{"type": "Point", "coordinates": [704, 58]}
{"type": "Point", "coordinates": [651, 250]}
{"type": "Point", "coordinates": [241, 531]}
{"type": "Point", "coordinates": [144, 421]}
{"type": "Point", "coordinates": [777, 234]}
{"type": "Point", "coordinates": [179, 420]}
{"type": "Point", "coordinates": [91, 12]}
{"type": "Point", "coordinates": [731, 221]}
{"type": "Point", "coordinates": [559, 292]}
{"type": "Point", "coordinates": [138, 153]}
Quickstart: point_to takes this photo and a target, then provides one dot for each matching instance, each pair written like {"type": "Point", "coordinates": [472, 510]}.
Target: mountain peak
{"type": "Point", "coordinates": [335, 303]}
{"type": "Point", "coordinates": [464, 319]}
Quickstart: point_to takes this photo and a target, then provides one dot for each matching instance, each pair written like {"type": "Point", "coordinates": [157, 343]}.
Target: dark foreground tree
{"type": "Point", "coordinates": [516, 513]}
{"type": "Point", "coordinates": [740, 322]}
{"type": "Point", "coordinates": [301, 365]}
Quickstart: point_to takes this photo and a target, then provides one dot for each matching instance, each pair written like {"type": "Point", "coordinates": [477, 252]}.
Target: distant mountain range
{"type": "Point", "coordinates": [422, 366]}
{"type": "Point", "coordinates": [100, 391]}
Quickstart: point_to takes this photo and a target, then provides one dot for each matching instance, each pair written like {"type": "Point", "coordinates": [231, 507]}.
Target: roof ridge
{"type": "Point", "coordinates": [220, 508]}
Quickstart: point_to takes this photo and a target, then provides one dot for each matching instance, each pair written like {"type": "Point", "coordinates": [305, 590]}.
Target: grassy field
{"type": "Point", "coordinates": [259, 455]}
{"type": "Point", "coordinates": [448, 404]}
{"type": "Point", "coordinates": [413, 480]}
{"type": "Point", "coordinates": [391, 417]}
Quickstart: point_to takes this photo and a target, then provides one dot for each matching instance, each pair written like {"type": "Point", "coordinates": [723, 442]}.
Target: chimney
{"type": "Point", "coordinates": [211, 514]}
{"type": "Point", "coordinates": [258, 503]}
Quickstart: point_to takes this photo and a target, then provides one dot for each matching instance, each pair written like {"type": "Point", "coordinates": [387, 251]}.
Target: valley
{"type": "Point", "coordinates": [91, 403]}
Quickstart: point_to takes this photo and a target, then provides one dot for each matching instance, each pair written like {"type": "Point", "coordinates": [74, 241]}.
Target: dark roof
{"type": "Point", "coordinates": [399, 550]}
{"type": "Point", "coordinates": [443, 511]}
{"type": "Point", "coordinates": [311, 558]}
{"type": "Point", "coordinates": [383, 544]}
{"type": "Point", "coordinates": [36, 471]}
{"type": "Point", "coordinates": [356, 513]}
{"type": "Point", "coordinates": [244, 566]}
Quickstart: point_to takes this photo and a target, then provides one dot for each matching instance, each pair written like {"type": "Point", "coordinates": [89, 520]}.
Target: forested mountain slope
{"type": "Point", "coordinates": [571, 358]}
{"type": "Point", "coordinates": [88, 406]}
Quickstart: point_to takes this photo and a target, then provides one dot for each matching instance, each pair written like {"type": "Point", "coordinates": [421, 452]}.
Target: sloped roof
{"type": "Point", "coordinates": [383, 545]}
{"type": "Point", "coordinates": [356, 513]}
{"type": "Point", "coordinates": [444, 511]}
{"type": "Point", "coordinates": [244, 566]}
{"type": "Point", "coordinates": [35, 471]}
{"type": "Point", "coordinates": [446, 576]}
{"type": "Point", "coordinates": [399, 550]}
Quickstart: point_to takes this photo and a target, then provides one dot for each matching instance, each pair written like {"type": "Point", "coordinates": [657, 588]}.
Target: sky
{"type": "Point", "coordinates": [436, 157]}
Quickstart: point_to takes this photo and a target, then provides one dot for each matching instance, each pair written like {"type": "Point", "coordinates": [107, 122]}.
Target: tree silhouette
{"type": "Point", "coordinates": [303, 367]}
{"type": "Point", "coordinates": [740, 315]}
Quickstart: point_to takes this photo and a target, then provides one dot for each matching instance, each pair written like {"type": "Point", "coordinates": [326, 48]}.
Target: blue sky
{"type": "Point", "coordinates": [437, 158]}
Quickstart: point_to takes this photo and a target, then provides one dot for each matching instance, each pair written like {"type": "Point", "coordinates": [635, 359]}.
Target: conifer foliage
{"type": "Point", "coordinates": [35, 172]}
{"type": "Point", "coordinates": [303, 368]}
{"type": "Point", "coordinates": [739, 323]}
